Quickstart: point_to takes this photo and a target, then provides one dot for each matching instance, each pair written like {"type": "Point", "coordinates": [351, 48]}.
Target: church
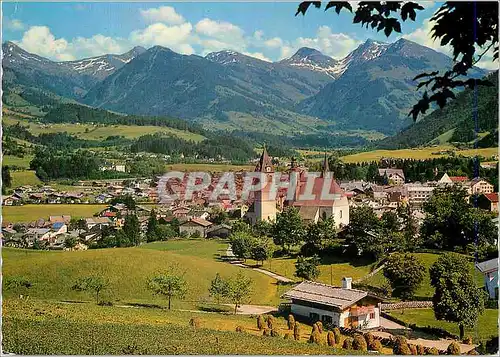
{"type": "Point", "coordinates": [326, 198]}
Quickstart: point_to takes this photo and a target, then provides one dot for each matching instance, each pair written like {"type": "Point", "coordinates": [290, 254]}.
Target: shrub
{"type": "Point", "coordinates": [369, 339]}
{"type": "Point", "coordinates": [270, 322]}
{"type": "Point", "coordinates": [260, 322]}
{"type": "Point", "coordinates": [337, 334]}
{"type": "Point", "coordinates": [432, 351]}
{"type": "Point", "coordinates": [315, 337]}
{"type": "Point", "coordinates": [376, 345]}
{"type": "Point", "coordinates": [330, 338]}
{"type": "Point", "coordinates": [195, 322]}
{"type": "Point", "coordinates": [320, 326]}
{"type": "Point", "coordinates": [275, 332]}
{"type": "Point", "coordinates": [347, 343]}
{"type": "Point", "coordinates": [359, 343]}
{"type": "Point", "coordinates": [266, 332]}
{"type": "Point", "coordinates": [413, 349]}
{"type": "Point", "coordinates": [291, 322]}
{"type": "Point", "coordinates": [287, 336]}
{"type": "Point", "coordinates": [239, 329]}
{"type": "Point", "coordinates": [296, 331]}
{"type": "Point", "coordinates": [467, 340]}
{"type": "Point", "coordinates": [420, 350]}
{"type": "Point", "coordinates": [453, 348]}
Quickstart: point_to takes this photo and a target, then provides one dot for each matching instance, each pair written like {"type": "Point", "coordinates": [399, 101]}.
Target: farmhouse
{"type": "Point", "coordinates": [195, 226]}
{"type": "Point", "coordinates": [489, 269]}
{"type": "Point", "coordinates": [342, 307]}
{"type": "Point", "coordinates": [395, 176]}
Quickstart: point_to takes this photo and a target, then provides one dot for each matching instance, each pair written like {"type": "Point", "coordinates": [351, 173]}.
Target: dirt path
{"type": "Point", "coordinates": [253, 309]}
{"type": "Point", "coordinates": [284, 279]}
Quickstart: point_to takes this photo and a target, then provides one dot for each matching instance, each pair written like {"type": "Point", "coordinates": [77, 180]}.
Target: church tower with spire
{"type": "Point", "coordinates": [264, 205]}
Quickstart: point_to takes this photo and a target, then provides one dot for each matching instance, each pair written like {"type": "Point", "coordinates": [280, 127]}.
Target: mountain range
{"type": "Point", "coordinates": [369, 89]}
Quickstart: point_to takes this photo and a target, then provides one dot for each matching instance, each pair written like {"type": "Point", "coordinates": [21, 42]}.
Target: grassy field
{"type": "Point", "coordinates": [114, 330]}
{"type": "Point", "coordinates": [93, 132]}
{"type": "Point", "coordinates": [418, 154]}
{"type": "Point", "coordinates": [202, 248]}
{"type": "Point", "coordinates": [29, 213]}
{"type": "Point", "coordinates": [208, 167]}
{"type": "Point", "coordinates": [27, 177]}
{"type": "Point", "coordinates": [331, 273]}
{"type": "Point", "coordinates": [487, 326]}
{"type": "Point", "coordinates": [10, 160]}
{"type": "Point", "coordinates": [127, 270]}
{"type": "Point", "coordinates": [425, 290]}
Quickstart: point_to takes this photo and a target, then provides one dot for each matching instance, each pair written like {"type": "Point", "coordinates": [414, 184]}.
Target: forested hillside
{"type": "Point", "coordinates": [456, 116]}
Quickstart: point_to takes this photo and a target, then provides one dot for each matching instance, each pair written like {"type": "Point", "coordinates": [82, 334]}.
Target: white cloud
{"type": "Point", "coordinates": [336, 45]}
{"type": "Point", "coordinates": [258, 55]}
{"type": "Point", "coordinates": [221, 30]}
{"type": "Point", "coordinates": [274, 42]}
{"type": "Point", "coordinates": [98, 45]}
{"type": "Point", "coordinates": [422, 36]}
{"type": "Point", "coordinates": [258, 35]}
{"type": "Point", "coordinates": [14, 24]}
{"type": "Point", "coordinates": [39, 40]}
{"type": "Point", "coordinates": [174, 37]}
{"type": "Point", "coordinates": [166, 14]}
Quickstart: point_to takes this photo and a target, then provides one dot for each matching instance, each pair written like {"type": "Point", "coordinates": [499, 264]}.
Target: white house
{"type": "Point", "coordinates": [489, 269]}
{"type": "Point", "coordinates": [339, 306]}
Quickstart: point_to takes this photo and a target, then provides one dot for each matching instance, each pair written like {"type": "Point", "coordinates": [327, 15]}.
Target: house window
{"type": "Point", "coordinates": [326, 319]}
{"type": "Point", "coordinates": [372, 315]}
{"type": "Point", "coordinates": [313, 316]}
{"type": "Point", "coordinates": [340, 213]}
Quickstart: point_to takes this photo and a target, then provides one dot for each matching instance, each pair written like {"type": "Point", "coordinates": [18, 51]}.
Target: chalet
{"type": "Point", "coordinates": [97, 222]}
{"type": "Point", "coordinates": [195, 226]}
{"type": "Point", "coordinates": [10, 200]}
{"type": "Point", "coordinates": [489, 269]}
{"type": "Point", "coordinates": [220, 230]}
{"type": "Point", "coordinates": [479, 185]}
{"type": "Point", "coordinates": [339, 306]}
{"type": "Point", "coordinates": [488, 201]}
{"type": "Point", "coordinates": [394, 176]}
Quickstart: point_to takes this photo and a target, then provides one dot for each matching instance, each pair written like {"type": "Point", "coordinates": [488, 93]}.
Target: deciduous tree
{"type": "Point", "coordinates": [171, 285]}
{"type": "Point", "coordinates": [456, 297]}
{"type": "Point", "coordinates": [405, 273]}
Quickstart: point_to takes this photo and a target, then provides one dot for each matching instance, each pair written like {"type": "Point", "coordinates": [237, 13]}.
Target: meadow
{"type": "Point", "coordinates": [127, 270]}
{"type": "Point", "coordinates": [209, 167]}
{"type": "Point", "coordinates": [101, 132]}
{"type": "Point", "coordinates": [21, 162]}
{"type": "Point", "coordinates": [425, 291]}
{"type": "Point", "coordinates": [25, 177]}
{"type": "Point", "coordinates": [29, 213]}
{"type": "Point", "coordinates": [487, 326]}
{"type": "Point", "coordinates": [331, 272]}
{"type": "Point", "coordinates": [417, 154]}
{"type": "Point", "coordinates": [96, 329]}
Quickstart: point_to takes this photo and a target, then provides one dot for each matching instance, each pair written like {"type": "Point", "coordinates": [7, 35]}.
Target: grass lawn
{"type": "Point", "coordinates": [208, 167]}
{"type": "Point", "coordinates": [486, 328]}
{"type": "Point", "coordinates": [96, 329]}
{"type": "Point", "coordinates": [11, 160]}
{"type": "Point", "coordinates": [21, 178]}
{"type": "Point", "coordinates": [330, 272]}
{"type": "Point", "coordinates": [29, 213]}
{"type": "Point", "coordinates": [426, 290]}
{"type": "Point", "coordinates": [418, 154]}
{"type": "Point", "coordinates": [127, 270]}
{"type": "Point", "coordinates": [202, 248]}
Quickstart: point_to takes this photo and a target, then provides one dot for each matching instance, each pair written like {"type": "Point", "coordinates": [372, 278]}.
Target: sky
{"type": "Point", "coordinates": [266, 30]}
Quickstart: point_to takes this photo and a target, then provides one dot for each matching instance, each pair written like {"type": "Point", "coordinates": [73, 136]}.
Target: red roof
{"type": "Point", "coordinates": [459, 178]}
{"type": "Point", "coordinates": [493, 197]}
{"type": "Point", "coordinates": [317, 191]}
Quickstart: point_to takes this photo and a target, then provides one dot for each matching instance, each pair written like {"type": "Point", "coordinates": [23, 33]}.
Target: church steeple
{"type": "Point", "coordinates": [265, 163]}
{"type": "Point", "coordinates": [326, 168]}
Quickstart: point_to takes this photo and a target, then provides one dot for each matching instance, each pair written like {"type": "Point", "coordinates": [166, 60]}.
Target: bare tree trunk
{"type": "Point", "coordinates": [169, 302]}
{"type": "Point", "coordinates": [461, 327]}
